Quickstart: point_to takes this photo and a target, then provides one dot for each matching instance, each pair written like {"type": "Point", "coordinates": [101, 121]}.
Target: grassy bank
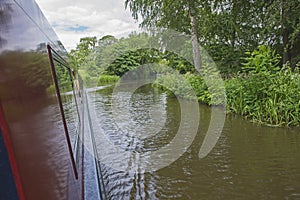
{"type": "Point", "coordinates": [267, 98]}
{"type": "Point", "coordinates": [262, 91]}
{"type": "Point", "coordinates": [270, 98]}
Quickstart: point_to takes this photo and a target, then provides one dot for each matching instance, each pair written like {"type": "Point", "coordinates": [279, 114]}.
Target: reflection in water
{"type": "Point", "coordinates": [248, 162]}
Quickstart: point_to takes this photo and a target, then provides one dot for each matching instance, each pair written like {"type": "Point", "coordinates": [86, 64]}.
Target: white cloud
{"type": "Point", "coordinates": [73, 19]}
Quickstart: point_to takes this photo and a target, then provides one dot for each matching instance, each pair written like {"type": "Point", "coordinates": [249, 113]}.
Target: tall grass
{"type": "Point", "coordinates": [107, 79]}
{"type": "Point", "coordinates": [268, 98]}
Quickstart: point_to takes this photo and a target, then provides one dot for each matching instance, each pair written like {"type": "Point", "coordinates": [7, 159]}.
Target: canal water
{"type": "Point", "coordinates": [249, 161]}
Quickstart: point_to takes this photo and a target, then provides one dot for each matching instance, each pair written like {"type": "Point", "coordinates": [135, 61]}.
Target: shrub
{"type": "Point", "coordinates": [263, 59]}
{"type": "Point", "coordinates": [175, 85]}
{"type": "Point", "coordinates": [107, 79]}
{"type": "Point", "coordinates": [208, 90]}
{"type": "Point", "coordinates": [263, 92]}
{"type": "Point", "coordinates": [266, 98]}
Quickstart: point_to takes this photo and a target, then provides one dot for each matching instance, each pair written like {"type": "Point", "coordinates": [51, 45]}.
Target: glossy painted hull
{"type": "Point", "coordinates": [36, 155]}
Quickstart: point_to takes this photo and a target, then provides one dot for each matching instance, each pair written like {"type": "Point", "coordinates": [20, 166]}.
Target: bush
{"type": "Point", "coordinates": [266, 93]}
{"type": "Point", "coordinates": [263, 92]}
{"type": "Point", "coordinates": [263, 59]}
{"type": "Point", "coordinates": [175, 85]}
{"type": "Point", "coordinates": [107, 79]}
{"type": "Point", "coordinates": [270, 98]}
{"type": "Point", "coordinates": [208, 90]}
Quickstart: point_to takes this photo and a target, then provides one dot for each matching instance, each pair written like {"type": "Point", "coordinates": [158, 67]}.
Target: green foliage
{"type": "Point", "coordinates": [266, 93]}
{"type": "Point", "coordinates": [83, 49]}
{"type": "Point", "coordinates": [262, 91]}
{"type": "Point", "coordinates": [131, 60]}
{"type": "Point", "coordinates": [207, 89]}
{"type": "Point", "coordinates": [63, 75]}
{"type": "Point", "coordinates": [82, 60]}
{"type": "Point", "coordinates": [200, 88]}
{"type": "Point", "coordinates": [271, 98]}
{"type": "Point", "coordinates": [262, 59]}
{"type": "Point", "coordinates": [107, 80]}
{"type": "Point", "coordinates": [178, 63]}
{"type": "Point", "coordinates": [226, 29]}
{"type": "Point", "coordinates": [175, 85]}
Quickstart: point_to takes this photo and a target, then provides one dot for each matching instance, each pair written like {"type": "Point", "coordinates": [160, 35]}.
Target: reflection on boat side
{"type": "Point", "coordinates": [43, 126]}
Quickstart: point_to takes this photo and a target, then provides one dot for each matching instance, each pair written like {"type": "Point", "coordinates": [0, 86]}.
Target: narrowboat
{"type": "Point", "coordinates": [46, 141]}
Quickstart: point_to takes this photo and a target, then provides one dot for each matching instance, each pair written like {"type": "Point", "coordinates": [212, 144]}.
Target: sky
{"type": "Point", "coordinates": [74, 19]}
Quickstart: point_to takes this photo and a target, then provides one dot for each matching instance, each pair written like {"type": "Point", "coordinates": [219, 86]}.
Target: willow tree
{"type": "Point", "coordinates": [175, 14]}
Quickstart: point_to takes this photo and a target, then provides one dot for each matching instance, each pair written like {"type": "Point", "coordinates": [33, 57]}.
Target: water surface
{"type": "Point", "coordinates": [248, 162]}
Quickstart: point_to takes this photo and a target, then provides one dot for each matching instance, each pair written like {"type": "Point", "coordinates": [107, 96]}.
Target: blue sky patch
{"type": "Point", "coordinates": [77, 28]}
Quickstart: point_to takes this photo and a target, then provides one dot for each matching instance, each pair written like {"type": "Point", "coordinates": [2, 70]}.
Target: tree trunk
{"type": "Point", "coordinates": [195, 42]}
{"type": "Point", "coordinates": [286, 57]}
{"type": "Point", "coordinates": [286, 48]}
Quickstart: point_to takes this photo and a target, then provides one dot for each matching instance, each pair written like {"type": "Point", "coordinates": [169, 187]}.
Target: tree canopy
{"type": "Point", "coordinates": [228, 28]}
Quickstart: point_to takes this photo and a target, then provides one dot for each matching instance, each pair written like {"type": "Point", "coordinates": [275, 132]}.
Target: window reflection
{"type": "Point", "coordinates": [67, 96]}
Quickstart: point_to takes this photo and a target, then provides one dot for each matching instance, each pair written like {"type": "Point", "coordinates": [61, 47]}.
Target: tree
{"type": "Point", "coordinates": [107, 40]}
{"type": "Point", "coordinates": [83, 49]}
{"type": "Point", "coordinates": [177, 15]}
{"type": "Point", "coordinates": [227, 28]}
{"type": "Point", "coordinates": [289, 29]}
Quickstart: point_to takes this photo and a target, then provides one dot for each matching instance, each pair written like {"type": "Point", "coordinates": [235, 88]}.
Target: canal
{"type": "Point", "coordinates": [249, 161]}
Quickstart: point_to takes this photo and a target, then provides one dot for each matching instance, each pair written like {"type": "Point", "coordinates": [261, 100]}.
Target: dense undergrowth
{"type": "Point", "coordinates": [266, 97]}
{"type": "Point", "coordinates": [262, 91]}
{"type": "Point", "coordinates": [107, 79]}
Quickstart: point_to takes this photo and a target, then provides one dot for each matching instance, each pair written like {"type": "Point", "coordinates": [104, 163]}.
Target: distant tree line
{"type": "Point", "coordinates": [111, 56]}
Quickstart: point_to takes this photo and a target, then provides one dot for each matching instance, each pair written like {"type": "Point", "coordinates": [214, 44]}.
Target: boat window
{"type": "Point", "coordinates": [64, 83]}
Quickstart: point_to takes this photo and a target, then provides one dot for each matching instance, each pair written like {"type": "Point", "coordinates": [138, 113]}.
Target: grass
{"type": "Point", "coordinates": [107, 79]}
